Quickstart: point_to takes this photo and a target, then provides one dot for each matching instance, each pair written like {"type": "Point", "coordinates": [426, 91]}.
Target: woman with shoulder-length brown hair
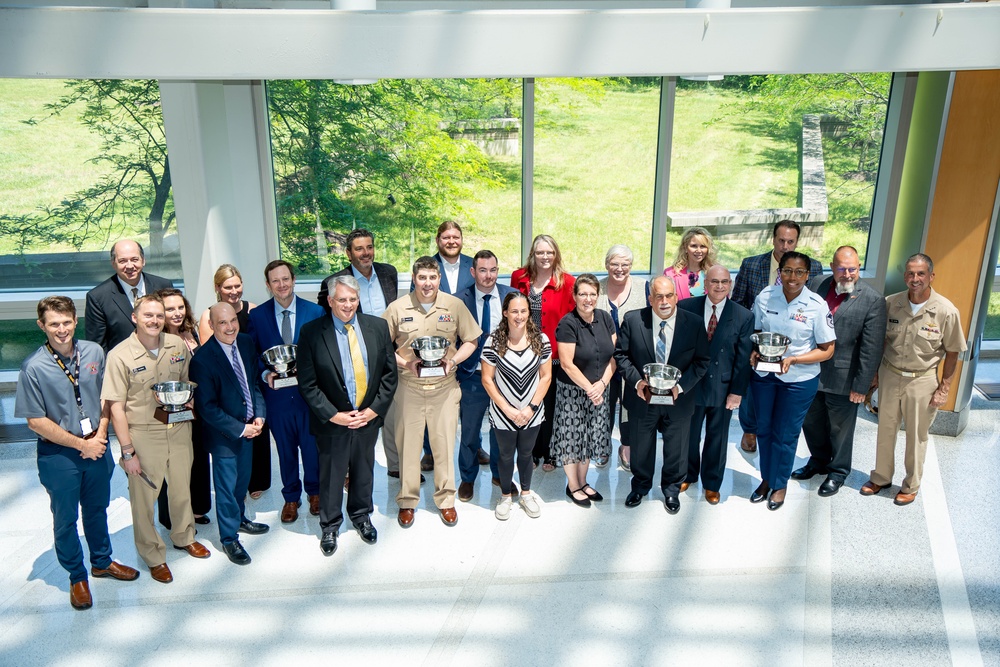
{"type": "Point", "coordinates": [549, 288]}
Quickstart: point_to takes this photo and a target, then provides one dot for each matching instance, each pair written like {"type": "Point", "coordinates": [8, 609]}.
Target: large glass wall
{"type": "Point", "coordinates": [84, 164]}
{"type": "Point", "coordinates": [753, 149]}
{"type": "Point", "coordinates": [396, 157]}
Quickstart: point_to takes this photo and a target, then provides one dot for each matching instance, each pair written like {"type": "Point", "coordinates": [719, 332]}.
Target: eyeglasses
{"type": "Point", "coordinates": [798, 273]}
{"type": "Point", "coordinates": [615, 265]}
{"type": "Point", "coordinates": [719, 283]}
{"type": "Point", "coordinates": [841, 270]}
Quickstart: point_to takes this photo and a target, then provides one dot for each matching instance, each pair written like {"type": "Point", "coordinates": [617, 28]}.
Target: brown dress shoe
{"type": "Point", "coordinates": [749, 443]}
{"type": "Point", "coordinates": [290, 512]}
{"type": "Point", "coordinates": [314, 505]}
{"type": "Point", "coordinates": [904, 498]}
{"type": "Point", "coordinates": [870, 488]}
{"type": "Point", "coordinates": [685, 486]}
{"type": "Point", "coordinates": [161, 573]}
{"type": "Point", "coordinates": [449, 516]}
{"type": "Point", "coordinates": [713, 497]}
{"type": "Point", "coordinates": [427, 463]}
{"type": "Point", "coordinates": [405, 518]}
{"type": "Point", "coordinates": [484, 458]}
{"type": "Point", "coordinates": [116, 571]}
{"type": "Point", "coordinates": [465, 491]}
{"type": "Point", "coordinates": [196, 549]}
{"type": "Point", "coordinates": [79, 595]}
{"type": "Point", "coordinates": [513, 486]}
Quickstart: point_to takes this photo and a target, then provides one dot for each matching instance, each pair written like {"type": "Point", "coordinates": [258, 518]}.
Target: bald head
{"type": "Point", "coordinates": [846, 267]}
{"type": "Point", "coordinates": [127, 259]}
{"type": "Point", "coordinates": [223, 322]}
{"type": "Point", "coordinates": [663, 297]}
{"type": "Point", "coordinates": [717, 283]}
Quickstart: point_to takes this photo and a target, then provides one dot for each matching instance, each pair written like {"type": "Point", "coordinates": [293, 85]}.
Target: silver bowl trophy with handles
{"type": "Point", "coordinates": [770, 348]}
{"type": "Point", "coordinates": [172, 396]}
{"type": "Point", "coordinates": [661, 379]}
{"type": "Point", "coordinates": [431, 351]}
{"type": "Point", "coordinates": [280, 360]}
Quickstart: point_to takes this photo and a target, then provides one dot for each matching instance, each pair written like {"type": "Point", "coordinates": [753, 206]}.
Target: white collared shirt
{"type": "Point", "coordinates": [718, 310]}
{"type": "Point", "coordinates": [140, 286]}
{"type": "Point", "coordinates": [451, 273]}
{"type": "Point", "coordinates": [669, 331]}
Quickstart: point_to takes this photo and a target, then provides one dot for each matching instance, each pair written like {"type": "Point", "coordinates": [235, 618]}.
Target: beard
{"type": "Point", "coordinates": [845, 288]}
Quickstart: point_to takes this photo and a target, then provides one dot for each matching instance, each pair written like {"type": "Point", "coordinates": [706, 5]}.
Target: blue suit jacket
{"type": "Point", "coordinates": [753, 278]}
{"type": "Point", "coordinates": [219, 399]}
{"type": "Point", "coordinates": [265, 333]}
{"type": "Point", "coordinates": [728, 351]}
{"type": "Point", "coordinates": [468, 297]}
{"type": "Point", "coordinates": [465, 279]}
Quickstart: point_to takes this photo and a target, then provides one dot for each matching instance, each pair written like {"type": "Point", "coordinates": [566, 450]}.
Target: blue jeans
{"type": "Point", "coordinates": [781, 408]}
{"type": "Point", "coordinates": [472, 408]}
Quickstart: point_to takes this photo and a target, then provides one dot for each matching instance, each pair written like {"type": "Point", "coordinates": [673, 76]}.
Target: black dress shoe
{"type": "Point", "coordinates": [367, 531]}
{"type": "Point", "coordinates": [202, 520]}
{"type": "Point", "coordinates": [236, 552]}
{"type": "Point", "coordinates": [774, 504]}
{"type": "Point", "coordinates": [830, 487]}
{"type": "Point", "coordinates": [328, 543]}
{"type": "Point", "coordinates": [672, 504]}
{"type": "Point", "coordinates": [633, 499]}
{"type": "Point", "coordinates": [582, 503]}
{"type": "Point", "coordinates": [253, 528]}
{"type": "Point", "coordinates": [806, 472]}
{"type": "Point", "coordinates": [761, 493]}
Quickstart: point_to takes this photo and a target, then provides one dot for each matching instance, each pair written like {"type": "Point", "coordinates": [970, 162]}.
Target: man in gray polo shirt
{"type": "Point", "coordinates": [59, 393]}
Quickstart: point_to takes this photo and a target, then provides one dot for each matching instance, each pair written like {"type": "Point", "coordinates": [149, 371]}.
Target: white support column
{"type": "Point", "coordinates": [217, 169]}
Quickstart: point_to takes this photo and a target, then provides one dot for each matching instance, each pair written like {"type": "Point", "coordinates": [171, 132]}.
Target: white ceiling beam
{"type": "Point", "coordinates": [212, 44]}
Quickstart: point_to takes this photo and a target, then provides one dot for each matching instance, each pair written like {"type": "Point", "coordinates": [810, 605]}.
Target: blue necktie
{"type": "Point", "coordinates": [238, 369]}
{"type": "Point", "coordinates": [485, 324]}
{"type": "Point", "coordinates": [661, 344]}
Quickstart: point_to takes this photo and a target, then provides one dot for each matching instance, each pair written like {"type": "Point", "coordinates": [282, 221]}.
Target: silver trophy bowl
{"type": "Point", "coordinates": [173, 395]}
{"type": "Point", "coordinates": [430, 349]}
{"type": "Point", "coordinates": [661, 377]}
{"type": "Point", "coordinates": [770, 346]}
{"type": "Point", "coordinates": [280, 358]}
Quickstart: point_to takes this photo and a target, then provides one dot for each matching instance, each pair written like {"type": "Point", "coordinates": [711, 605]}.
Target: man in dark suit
{"type": "Point", "coordinates": [484, 300]}
{"type": "Point", "coordinates": [379, 283]}
{"type": "Point", "coordinates": [278, 321]}
{"type": "Point", "coordinates": [108, 317]}
{"type": "Point", "coordinates": [231, 413]}
{"type": "Point", "coordinates": [859, 320]}
{"type": "Point", "coordinates": [729, 327]}
{"type": "Point", "coordinates": [755, 274]}
{"type": "Point", "coordinates": [660, 333]}
{"type": "Point", "coordinates": [347, 376]}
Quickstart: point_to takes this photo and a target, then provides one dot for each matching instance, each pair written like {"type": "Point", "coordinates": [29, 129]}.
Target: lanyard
{"type": "Point", "coordinates": [74, 379]}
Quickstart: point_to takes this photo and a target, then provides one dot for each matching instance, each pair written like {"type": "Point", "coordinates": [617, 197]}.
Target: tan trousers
{"type": "Point", "coordinates": [437, 409]}
{"type": "Point", "coordinates": [164, 453]}
{"type": "Point", "coordinates": [389, 438]}
{"type": "Point", "coordinates": [906, 399]}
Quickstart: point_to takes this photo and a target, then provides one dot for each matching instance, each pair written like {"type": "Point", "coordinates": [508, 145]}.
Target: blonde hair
{"type": "Point", "coordinates": [558, 272]}
{"type": "Point", "coordinates": [222, 274]}
{"type": "Point", "coordinates": [680, 262]}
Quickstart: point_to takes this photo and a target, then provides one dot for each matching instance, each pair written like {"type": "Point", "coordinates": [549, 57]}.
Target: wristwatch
{"type": "Point", "coordinates": [534, 407]}
{"type": "Point", "coordinates": [128, 457]}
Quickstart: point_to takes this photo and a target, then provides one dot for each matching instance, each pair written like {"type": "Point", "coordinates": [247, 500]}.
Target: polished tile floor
{"type": "Point", "coordinates": [845, 580]}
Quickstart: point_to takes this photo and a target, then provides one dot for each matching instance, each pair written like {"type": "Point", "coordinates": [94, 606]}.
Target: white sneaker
{"type": "Point", "coordinates": [503, 508]}
{"type": "Point", "coordinates": [529, 504]}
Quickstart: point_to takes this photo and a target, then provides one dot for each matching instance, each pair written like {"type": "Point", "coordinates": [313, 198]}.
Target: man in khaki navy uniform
{"type": "Point", "coordinates": [429, 402]}
{"type": "Point", "coordinates": [148, 446]}
{"type": "Point", "coordinates": [923, 329]}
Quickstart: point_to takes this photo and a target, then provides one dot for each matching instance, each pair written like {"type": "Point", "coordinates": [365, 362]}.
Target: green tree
{"type": "Point", "coordinates": [126, 116]}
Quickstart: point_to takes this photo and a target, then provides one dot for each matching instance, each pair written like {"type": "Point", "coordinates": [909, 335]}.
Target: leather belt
{"type": "Point", "coordinates": [909, 374]}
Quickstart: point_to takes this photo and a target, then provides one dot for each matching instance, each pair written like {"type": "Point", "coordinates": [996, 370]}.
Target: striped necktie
{"type": "Point", "coordinates": [661, 344]}
{"type": "Point", "coordinates": [238, 369]}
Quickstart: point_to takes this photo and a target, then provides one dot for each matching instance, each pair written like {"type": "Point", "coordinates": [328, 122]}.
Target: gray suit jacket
{"type": "Point", "coordinates": [860, 327]}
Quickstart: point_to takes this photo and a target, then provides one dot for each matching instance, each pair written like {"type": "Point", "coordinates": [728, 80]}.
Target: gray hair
{"type": "Point", "coordinates": [350, 282]}
{"type": "Point", "coordinates": [618, 250]}
{"type": "Point", "coordinates": [921, 257]}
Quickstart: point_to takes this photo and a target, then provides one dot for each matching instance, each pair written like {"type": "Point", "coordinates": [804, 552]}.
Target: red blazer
{"type": "Point", "coordinates": [555, 302]}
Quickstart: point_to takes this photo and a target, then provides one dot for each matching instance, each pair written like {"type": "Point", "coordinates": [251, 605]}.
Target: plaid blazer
{"type": "Point", "coordinates": [753, 278]}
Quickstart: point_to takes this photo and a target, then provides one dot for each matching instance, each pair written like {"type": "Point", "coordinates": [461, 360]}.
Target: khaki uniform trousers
{"type": "Point", "coordinates": [435, 406]}
{"type": "Point", "coordinates": [906, 399]}
{"type": "Point", "coordinates": [164, 453]}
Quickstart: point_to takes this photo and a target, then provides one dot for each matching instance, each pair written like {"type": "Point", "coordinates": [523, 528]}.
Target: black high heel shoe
{"type": "Point", "coordinates": [761, 493]}
{"type": "Point", "coordinates": [775, 504]}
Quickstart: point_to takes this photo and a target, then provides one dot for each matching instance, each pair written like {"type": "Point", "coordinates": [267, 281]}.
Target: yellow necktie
{"type": "Point", "coordinates": [360, 379]}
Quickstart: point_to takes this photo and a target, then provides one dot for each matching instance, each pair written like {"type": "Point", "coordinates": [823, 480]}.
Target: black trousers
{"type": "Point", "coordinates": [708, 461]}
{"type": "Point", "coordinates": [673, 423]}
{"type": "Point", "coordinates": [260, 473]}
{"type": "Point", "coordinates": [349, 451]}
{"type": "Point", "coordinates": [201, 483]}
{"type": "Point", "coordinates": [829, 431]}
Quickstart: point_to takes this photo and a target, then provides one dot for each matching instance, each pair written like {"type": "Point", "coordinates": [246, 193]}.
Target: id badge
{"type": "Point", "coordinates": [86, 426]}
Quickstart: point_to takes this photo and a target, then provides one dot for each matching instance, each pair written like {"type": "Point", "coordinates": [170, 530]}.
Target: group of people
{"type": "Point", "coordinates": [553, 361]}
